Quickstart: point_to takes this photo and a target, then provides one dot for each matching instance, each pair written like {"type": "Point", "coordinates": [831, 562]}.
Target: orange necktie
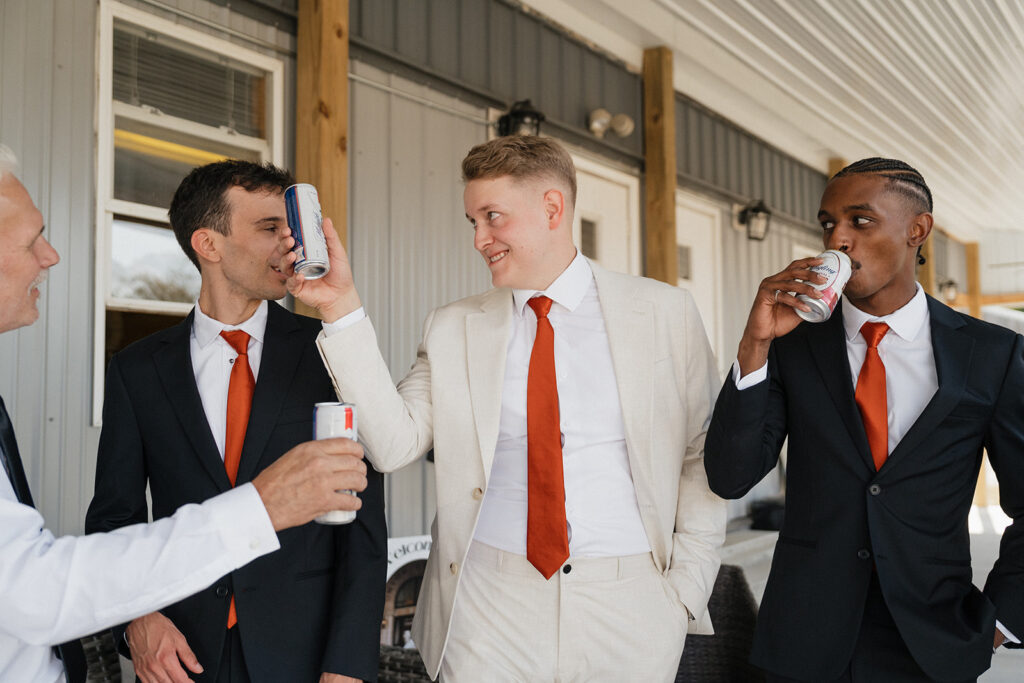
{"type": "Point", "coordinates": [547, 538]}
{"type": "Point", "coordinates": [870, 394]}
{"type": "Point", "coordinates": [240, 390]}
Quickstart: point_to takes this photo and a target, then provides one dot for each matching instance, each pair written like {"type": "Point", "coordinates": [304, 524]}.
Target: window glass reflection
{"type": "Point", "coordinates": [148, 264]}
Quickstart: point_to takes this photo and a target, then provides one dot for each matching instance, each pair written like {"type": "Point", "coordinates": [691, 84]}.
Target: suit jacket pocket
{"type": "Point", "coordinates": [313, 573]}
{"type": "Point", "coordinates": [296, 414]}
{"type": "Point", "coordinates": [799, 542]}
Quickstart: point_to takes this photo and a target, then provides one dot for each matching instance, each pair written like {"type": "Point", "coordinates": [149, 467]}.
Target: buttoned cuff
{"type": "Point", "coordinates": [344, 321]}
{"type": "Point", "coordinates": [245, 527]}
{"type": "Point", "coordinates": [755, 377]}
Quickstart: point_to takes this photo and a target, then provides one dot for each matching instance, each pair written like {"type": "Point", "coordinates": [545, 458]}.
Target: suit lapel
{"type": "Point", "coordinates": [282, 350]}
{"type": "Point", "coordinates": [953, 351]}
{"type": "Point", "coordinates": [487, 334]}
{"type": "Point", "coordinates": [827, 342]}
{"type": "Point", "coordinates": [174, 366]}
{"type": "Point", "coordinates": [629, 323]}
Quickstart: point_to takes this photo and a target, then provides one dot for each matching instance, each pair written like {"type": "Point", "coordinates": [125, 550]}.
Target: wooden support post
{"type": "Point", "coordinates": [926, 273]}
{"type": "Point", "coordinates": [321, 109]}
{"type": "Point", "coordinates": [973, 279]}
{"type": "Point", "coordinates": [835, 165]}
{"type": "Point", "coordinates": [660, 166]}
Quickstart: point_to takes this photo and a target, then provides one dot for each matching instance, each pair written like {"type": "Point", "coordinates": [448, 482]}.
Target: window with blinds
{"type": "Point", "coordinates": [170, 98]}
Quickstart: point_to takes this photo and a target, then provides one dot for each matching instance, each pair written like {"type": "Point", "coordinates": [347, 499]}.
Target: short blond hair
{"type": "Point", "coordinates": [521, 157]}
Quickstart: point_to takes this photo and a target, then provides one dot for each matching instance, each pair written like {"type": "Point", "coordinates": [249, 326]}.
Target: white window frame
{"type": "Point", "coordinates": [271, 149]}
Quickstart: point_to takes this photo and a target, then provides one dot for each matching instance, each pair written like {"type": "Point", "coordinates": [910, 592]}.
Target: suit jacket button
{"type": "Point", "coordinates": [478, 493]}
{"type": "Point", "coordinates": [863, 553]}
{"type": "Point", "coordinates": [454, 566]}
{"type": "Point", "coordinates": [221, 591]}
{"type": "Point", "coordinates": [874, 489]}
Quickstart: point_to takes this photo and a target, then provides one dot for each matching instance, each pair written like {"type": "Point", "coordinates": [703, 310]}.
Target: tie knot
{"type": "Point", "coordinates": [540, 305]}
{"type": "Point", "coordinates": [873, 333]}
{"type": "Point", "coordinates": [239, 340]}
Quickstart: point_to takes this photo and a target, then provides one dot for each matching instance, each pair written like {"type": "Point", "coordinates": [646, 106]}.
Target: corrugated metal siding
{"type": "Point", "coordinates": [47, 100]}
{"type": "Point", "coordinates": [500, 54]}
{"type": "Point", "coordinates": [714, 154]}
{"type": "Point", "coordinates": [1002, 261]}
{"type": "Point", "coordinates": [47, 65]}
{"type": "Point", "coordinates": [410, 244]}
{"type": "Point", "coordinates": [950, 260]}
{"type": "Point", "coordinates": [744, 264]}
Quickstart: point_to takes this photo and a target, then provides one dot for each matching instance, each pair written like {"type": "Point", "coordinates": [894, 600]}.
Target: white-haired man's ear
{"type": "Point", "coordinates": [8, 161]}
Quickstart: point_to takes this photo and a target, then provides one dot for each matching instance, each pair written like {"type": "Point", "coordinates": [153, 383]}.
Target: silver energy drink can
{"type": "Point", "coordinates": [331, 420]}
{"type": "Point", "coordinates": [302, 206]}
{"type": "Point", "coordinates": [836, 270]}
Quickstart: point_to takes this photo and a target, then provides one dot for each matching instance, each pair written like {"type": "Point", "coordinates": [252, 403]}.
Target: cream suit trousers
{"type": "Point", "coordinates": [596, 619]}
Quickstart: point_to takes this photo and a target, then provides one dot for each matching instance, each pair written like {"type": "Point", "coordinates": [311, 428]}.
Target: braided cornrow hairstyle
{"type": "Point", "coordinates": [903, 179]}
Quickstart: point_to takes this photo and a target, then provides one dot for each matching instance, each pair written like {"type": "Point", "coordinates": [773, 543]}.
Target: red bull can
{"type": "Point", "coordinates": [836, 270]}
{"type": "Point", "coordinates": [302, 207]}
{"type": "Point", "coordinates": [331, 420]}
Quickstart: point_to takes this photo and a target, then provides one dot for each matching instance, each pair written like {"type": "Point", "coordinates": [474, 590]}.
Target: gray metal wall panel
{"type": "Point", "coordinates": [46, 84]}
{"type": "Point", "coordinates": [723, 157]}
{"type": "Point", "coordinates": [499, 53]}
{"type": "Point", "coordinates": [411, 246]}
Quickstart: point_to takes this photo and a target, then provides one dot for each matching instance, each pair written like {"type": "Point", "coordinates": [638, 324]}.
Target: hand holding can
{"type": "Point", "coordinates": [836, 268]}
{"type": "Point", "coordinates": [332, 420]}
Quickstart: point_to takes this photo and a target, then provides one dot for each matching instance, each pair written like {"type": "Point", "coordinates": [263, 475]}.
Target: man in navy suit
{"type": "Point", "coordinates": [888, 407]}
{"type": "Point", "coordinates": [312, 611]}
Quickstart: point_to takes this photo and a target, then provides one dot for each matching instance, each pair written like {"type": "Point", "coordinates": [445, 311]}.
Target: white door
{"type": "Point", "coordinates": [606, 227]}
{"type": "Point", "coordinates": [698, 236]}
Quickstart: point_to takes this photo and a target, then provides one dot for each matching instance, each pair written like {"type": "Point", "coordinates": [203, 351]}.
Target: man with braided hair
{"type": "Point", "coordinates": [888, 407]}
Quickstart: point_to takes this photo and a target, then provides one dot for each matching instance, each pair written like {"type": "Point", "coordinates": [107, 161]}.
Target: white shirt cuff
{"type": "Point", "coordinates": [755, 377]}
{"type": "Point", "coordinates": [344, 321]}
{"type": "Point", "coordinates": [245, 527]}
{"type": "Point", "coordinates": [1006, 632]}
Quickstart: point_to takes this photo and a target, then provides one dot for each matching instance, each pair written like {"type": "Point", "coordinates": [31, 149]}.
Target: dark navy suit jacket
{"type": "Point", "coordinates": [908, 519]}
{"type": "Point", "coordinates": [315, 605]}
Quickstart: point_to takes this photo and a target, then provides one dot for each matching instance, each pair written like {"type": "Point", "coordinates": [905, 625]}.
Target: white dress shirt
{"type": "Point", "coordinates": [55, 589]}
{"type": "Point", "coordinates": [909, 360]}
{"type": "Point", "coordinates": [600, 501]}
{"type": "Point", "coordinates": [212, 359]}
{"type": "Point", "coordinates": [601, 507]}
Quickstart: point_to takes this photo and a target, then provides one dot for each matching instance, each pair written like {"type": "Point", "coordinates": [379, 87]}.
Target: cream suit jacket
{"type": "Point", "coordinates": [451, 401]}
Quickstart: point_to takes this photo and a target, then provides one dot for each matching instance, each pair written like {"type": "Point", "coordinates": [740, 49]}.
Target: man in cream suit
{"type": "Point", "coordinates": [567, 409]}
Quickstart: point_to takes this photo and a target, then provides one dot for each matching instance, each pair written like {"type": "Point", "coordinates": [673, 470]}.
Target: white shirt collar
{"type": "Point", "coordinates": [567, 290]}
{"type": "Point", "coordinates": [907, 321]}
{"type": "Point", "coordinates": [207, 329]}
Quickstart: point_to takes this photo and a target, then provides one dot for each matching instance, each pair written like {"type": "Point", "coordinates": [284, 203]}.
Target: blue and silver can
{"type": "Point", "coordinates": [302, 206]}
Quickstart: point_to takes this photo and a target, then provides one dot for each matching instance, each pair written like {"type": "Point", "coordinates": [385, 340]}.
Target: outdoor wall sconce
{"type": "Point", "coordinates": [756, 216]}
{"type": "Point", "coordinates": [949, 290]}
{"type": "Point", "coordinates": [601, 120]}
{"type": "Point", "coordinates": [521, 119]}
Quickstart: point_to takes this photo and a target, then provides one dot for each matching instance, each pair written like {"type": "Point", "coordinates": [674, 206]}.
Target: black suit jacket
{"type": "Point", "coordinates": [315, 605]}
{"type": "Point", "coordinates": [909, 518]}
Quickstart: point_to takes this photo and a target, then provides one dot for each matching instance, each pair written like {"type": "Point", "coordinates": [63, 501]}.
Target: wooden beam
{"type": "Point", "coordinates": [321, 108]}
{"type": "Point", "coordinates": [926, 273]}
{"type": "Point", "coordinates": [973, 279]}
{"type": "Point", "coordinates": [835, 165]}
{"type": "Point", "coordinates": [660, 166]}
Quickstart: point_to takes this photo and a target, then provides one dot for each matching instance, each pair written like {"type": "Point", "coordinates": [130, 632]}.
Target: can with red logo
{"type": "Point", "coordinates": [836, 270]}
{"type": "Point", "coordinates": [331, 420]}
{"type": "Point", "coordinates": [302, 208]}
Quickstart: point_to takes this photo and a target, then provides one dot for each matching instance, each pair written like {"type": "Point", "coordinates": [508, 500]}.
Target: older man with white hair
{"type": "Point", "coordinates": [59, 589]}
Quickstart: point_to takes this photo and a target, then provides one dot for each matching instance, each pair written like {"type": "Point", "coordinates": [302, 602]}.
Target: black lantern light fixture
{"type": "Point", "coordinates": [756, 216]}
{"type": "Point", "coordinates": [521, 119]}
{"type": "Point", "coordinates": [949, 290]}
